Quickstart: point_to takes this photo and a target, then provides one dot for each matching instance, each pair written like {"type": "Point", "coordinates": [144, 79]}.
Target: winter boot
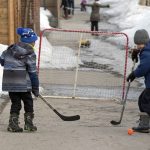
{"type": "Point", "coordinates": [144, 124]}
{"type": "Point", "coordinates": [28, 118]}
{"type": "Point", "coordinates": [14, 124]}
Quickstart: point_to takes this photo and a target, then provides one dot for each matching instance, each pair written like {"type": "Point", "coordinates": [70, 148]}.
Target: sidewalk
{"type": "Point", "coordinates": [81, 20]}
{"type": "Point", "coordinates": [92, 131]}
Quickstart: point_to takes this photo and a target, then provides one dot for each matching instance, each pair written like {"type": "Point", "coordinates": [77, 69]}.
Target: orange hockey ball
{"type": "Point", "coordinates": [130, 131]}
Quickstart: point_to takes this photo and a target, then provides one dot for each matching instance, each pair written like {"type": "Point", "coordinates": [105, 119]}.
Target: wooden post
{"type": "Point", "coordinates": [17, 17]}
{"type": "Point", "coordinates": [142, 2]}
{"type": "Point", "coordinates": [58, 12]}
{"type": "Point", "coordinates": [10, 21]}
{"type": "Point", "coordinates": [27, 8]}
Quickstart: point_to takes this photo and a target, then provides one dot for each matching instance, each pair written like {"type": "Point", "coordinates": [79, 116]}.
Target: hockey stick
{"type": "Point", "coordinates": [113, 122]}
{"type": "Point", "coordinates": [64, 118]}
{"type": "Point", "coordinates": [123, 107]}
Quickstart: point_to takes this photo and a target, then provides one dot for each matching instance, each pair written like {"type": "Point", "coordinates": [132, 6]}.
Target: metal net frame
{"type": "Point", "coordinates": [90, 77]}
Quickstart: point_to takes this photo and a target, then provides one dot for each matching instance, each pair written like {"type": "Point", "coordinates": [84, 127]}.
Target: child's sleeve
{"type": "Point", "coordinates": [104, 6]}
{"type": "Point", "coordinates": [2, 59]}
{"type": "Point", "coordinates": [32, 70]}
{"type": "Point", "coordinates": [143, 68]}
{"type": "Point", "coordinates": [89, 5]}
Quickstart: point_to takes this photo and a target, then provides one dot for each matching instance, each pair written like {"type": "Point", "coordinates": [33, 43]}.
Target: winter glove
{"type": "Point", "coordinates": [1, 61]}
{"type": "Point", "coordinates": [35, 91]}
{"type": "Point", "coordinates": [108, 6]}
{"type": "Point", "coordinates": [134, 55]}
{"type": "Point", "coordinates": [131, 77]}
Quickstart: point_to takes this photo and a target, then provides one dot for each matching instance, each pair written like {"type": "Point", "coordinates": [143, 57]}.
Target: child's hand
{"type": "Point", "coordinates": [131, 77]}
{"type": "Point", "coordinates": [134, 55]}
{"type": "Point", "coordinates": [35, 91]}
{"type": "Point", "coordinates": [108, 6]}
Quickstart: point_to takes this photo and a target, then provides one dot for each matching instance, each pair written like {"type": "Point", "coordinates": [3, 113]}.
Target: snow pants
{"type": "Point", "coordinates": [94, 25]}
{"type": "Point", "coordinates": [144, 101]}
{"type": "Point", "coordinates": [16, 98]}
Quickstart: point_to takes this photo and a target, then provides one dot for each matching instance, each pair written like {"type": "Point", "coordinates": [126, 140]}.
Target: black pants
{"type": "Point", "coordinates": [94, 25]}
{"type": "Point", "coordinates": [83, 7]}
{"type": "Point", "coordinates": [16, 98]}
{"type": "Point", "coordinates": [71, 5]}
{"type": "Point", "coordinates": [66, 13]}
{"type": "Point", "coordinates": [144, 101]}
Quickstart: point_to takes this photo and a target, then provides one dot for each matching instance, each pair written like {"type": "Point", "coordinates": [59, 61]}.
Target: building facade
{"type": "Point", "coordinates": [18, 13]}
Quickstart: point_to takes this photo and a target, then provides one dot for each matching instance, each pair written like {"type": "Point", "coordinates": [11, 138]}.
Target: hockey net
{"type": "Point", "coordinates": [83, 64]}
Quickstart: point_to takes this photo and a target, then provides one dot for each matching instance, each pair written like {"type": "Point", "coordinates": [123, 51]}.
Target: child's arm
{"type": "Point", "coordinates": [32, 70]}
{"type": "Point", "coordinates": [2, 59]}
{"type": "Point", "coordinates": [104, 6]}
{"type": "Point", "coordinates": [35, 83]}
{"type": "Point", "coordinates": [89, 5]}
{"type": "Point", "coordinates": [143, 68]}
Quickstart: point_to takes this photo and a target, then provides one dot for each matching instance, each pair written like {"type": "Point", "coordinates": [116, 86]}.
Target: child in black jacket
{"type": "Point", "coordinates": [20, 79]}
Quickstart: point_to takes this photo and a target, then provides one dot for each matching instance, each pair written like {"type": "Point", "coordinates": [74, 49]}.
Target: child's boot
{"type": "Point", "coordinates": [14, 124]}
{"type": "Point", "coordinates": [28, 118]}
{"type": "Point", "coordinates": [144, 124]}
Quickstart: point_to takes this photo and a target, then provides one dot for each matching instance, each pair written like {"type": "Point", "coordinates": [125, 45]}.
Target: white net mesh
{"type": "Point", "coordinates": [81, 64]}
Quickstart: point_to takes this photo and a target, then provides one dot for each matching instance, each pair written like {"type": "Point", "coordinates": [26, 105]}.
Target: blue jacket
{"type": "Point", "coordinates": [20, 73]}
{"type": "Point", "coordinates": [143, 69]}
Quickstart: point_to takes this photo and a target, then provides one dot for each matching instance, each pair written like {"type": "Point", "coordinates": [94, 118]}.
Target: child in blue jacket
{"type": "Point", "coordinates": [142, 40]}
{"type": "Point", "coordinates": [20, 79]}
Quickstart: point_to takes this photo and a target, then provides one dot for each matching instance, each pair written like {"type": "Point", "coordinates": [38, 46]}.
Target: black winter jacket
{"type": "Point", "coordinates": [20, 73]}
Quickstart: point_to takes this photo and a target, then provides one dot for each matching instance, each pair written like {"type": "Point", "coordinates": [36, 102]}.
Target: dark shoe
{"type": "Point", "coordinates": [14, 124]}
{"type": "Point", "coordinates": [144, 124]}
{"type": "Point", "coordinates": [29, 126]}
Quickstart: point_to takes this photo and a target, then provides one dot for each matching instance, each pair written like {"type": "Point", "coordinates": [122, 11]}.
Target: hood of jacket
{"type": "Point", "coordinates": [20, 50]}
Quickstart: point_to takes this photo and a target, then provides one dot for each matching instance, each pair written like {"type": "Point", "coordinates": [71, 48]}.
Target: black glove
{"type": "Point", "coordinates": [35, 91]}
{"type": "Point", "coordinates": [131, 77]}
{"type": "Point", "coordinates": [134, 55]}
{"type": "Point", "coordinates": [1, 61]}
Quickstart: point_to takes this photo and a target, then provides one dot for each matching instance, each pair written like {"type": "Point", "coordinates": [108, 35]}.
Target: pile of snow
{"type": "Point", "coordinates": [128, 15]}
{"type": "Point", "coordinates": [55, 56]}
{"type": "Point", "coordinates": [44, 18]}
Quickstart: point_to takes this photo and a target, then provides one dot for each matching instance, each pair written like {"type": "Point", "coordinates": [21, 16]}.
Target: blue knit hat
{"type": "Point", "coordinates": [27, 35]}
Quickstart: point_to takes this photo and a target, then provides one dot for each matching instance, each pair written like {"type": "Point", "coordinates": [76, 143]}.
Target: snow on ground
{"type": "Point", "coordinates": [55, 57]}
{"type": "Point", "coordinates": [128, 16]}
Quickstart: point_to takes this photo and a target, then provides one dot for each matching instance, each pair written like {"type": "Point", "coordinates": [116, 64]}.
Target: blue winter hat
{"type": "Point", "coordinates": [27, 35]}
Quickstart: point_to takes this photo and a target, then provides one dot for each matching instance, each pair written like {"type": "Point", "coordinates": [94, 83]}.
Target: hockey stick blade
{"type": "Point", "coordinates": [113, 122]}
{"type": "Point", "coordinates": [64, 118]}
{"type": "Point", "coordinates": [67, 118]}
